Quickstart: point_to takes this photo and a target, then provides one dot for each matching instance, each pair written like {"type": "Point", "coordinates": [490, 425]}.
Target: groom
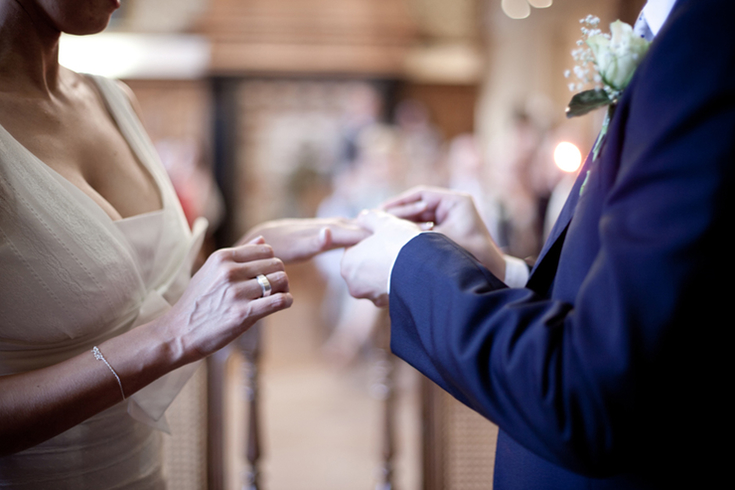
{"type": "Point", "coordinates": [606, 370]}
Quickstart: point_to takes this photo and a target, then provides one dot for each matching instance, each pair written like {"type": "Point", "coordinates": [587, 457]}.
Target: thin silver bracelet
{"type": "Point", "coordinates": [98, 355]}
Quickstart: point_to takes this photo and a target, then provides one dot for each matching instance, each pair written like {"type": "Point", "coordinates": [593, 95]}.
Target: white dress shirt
{"type": "Point", "coordinates": [655, 12]}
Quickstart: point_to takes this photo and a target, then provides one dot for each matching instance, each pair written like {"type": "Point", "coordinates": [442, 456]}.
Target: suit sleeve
{"type": "Point", "coordinates": [595, 380]}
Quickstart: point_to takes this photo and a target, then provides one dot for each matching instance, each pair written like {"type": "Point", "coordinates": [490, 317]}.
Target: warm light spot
{"type": "Point", "coordinates": [541, 4]}
{"type": "Point", "coordinates": [567, 157]}
{"type": "Point", "coordinates": [128, 55]}
{"type": "Point", "coordinates": [516, 9]}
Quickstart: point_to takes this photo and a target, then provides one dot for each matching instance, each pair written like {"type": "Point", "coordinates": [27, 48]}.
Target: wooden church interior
{"type": "Point", "coordinates": [263, 109]}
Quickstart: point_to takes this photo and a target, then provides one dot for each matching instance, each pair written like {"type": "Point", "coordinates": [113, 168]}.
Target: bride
{"type": "Point", "coordinates": [100, 324]}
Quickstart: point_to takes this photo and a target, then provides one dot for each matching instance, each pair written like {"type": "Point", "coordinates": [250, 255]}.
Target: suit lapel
{"type": "Point", "coordinates": [548, 258]}
{"type": "Point", "coordinates": [565, 216]}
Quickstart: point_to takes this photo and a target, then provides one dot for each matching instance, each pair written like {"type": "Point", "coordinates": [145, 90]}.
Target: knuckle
{"type": "Point", "coordinates": [246, 311]}
{"type": "Point", "coordinates": [278, 301]}
{"type": "Point", "coordinates": [282, 301]}
{"type": "Point", "coordinates": [278, 264]}
{"type": "Point", "coordinates": [228, 273]}
{"type": "Point", "coordinates": [220, 256]}
{"type": "Point", "coordinates": [354, 291]}
{"type": "Point", "coordinates": [280, 277]}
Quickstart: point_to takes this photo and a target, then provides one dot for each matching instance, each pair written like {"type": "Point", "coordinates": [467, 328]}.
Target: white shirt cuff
{"type": "Point", "coordinates": [516, 272]}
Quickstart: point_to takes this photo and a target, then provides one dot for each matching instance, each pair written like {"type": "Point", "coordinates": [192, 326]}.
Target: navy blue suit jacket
{"type": "Point", "coordinates": [608, 369]}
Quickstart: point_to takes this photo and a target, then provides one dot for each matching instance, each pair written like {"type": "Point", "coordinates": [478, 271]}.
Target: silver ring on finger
{"type": "Point", "coordinates": [265, 285]}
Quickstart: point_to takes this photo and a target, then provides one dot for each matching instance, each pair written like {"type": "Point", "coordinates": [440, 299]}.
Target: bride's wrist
{"type": "Point", "coordinates": [167, 345]}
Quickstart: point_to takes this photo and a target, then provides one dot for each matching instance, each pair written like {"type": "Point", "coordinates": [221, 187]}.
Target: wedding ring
{"type": "Point", "coordinates": [265, 285]}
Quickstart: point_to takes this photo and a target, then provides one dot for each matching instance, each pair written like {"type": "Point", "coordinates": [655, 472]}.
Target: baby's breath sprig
{"type": "Point", "coordinates": [607, 63]}
{"type": "Point", "coordinates": [584, 58]}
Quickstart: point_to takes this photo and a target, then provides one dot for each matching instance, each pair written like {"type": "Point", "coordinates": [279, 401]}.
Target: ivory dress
{"type": "Point", "coordinates": [70, 278]}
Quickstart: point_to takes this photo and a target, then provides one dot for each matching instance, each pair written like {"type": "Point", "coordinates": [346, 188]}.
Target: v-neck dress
{"type": "Point", "coordinates": [70, 278]}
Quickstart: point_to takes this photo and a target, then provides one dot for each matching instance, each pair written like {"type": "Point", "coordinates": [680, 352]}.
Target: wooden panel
{"type": "Point", "coordinates": [185, 450]}
{"type": "Point", "coordinates": [308, 36]}
{"type": "Point", "coordinates": [459, 444]}
{"type": "Point", "coordinates": [232, 58]}
{"type": "Point", "coordinates": [628, 10]}
{"type": "Point", "coordinates": [452, 107]}
{"type": "Point", "coordinates": [174, 109]}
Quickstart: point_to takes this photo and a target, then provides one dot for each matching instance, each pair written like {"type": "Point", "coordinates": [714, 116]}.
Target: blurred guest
{"type": "Point", "coordinates": [419, 142]}
{"type": "Point", "coordinates": [377, 172]}
{"type": "Point", "coordinates": [512, 180]}
{"type": "Point", "coordinates": [467, 174]}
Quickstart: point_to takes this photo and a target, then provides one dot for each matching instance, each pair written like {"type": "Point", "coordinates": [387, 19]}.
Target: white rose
{"type": "Point", "coordinates": [618, 57]}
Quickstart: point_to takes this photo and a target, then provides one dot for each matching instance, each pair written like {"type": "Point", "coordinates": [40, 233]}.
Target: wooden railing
{"type": "Point", "coordinates": [249, 346]}
{"type": "Point", "coordinates": [385, 389]}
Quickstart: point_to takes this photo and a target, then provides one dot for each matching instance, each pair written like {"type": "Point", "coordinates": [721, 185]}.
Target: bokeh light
{"type": "Point", "coordinates": [567, 157]}
{"type": "Point", "coordinates": [541, 4]}
{"type": "Point", "coordinates": [516, 9]}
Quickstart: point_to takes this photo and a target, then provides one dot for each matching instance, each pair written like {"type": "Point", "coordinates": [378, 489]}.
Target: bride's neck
{"type": "Point", "coordinates": [29, 49]}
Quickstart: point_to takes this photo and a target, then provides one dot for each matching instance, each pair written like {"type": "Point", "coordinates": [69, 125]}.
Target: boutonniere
{"type": "Point", "coordinates": [608, 61]}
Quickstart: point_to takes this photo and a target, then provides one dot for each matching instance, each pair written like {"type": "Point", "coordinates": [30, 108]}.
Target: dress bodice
{"type": "Point", "coordinates": [70, 278]}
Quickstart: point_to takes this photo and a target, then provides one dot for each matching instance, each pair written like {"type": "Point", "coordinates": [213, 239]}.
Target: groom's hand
{"type": "Point", "coordinates": [454, 214]}
{"type": "Point", "coordinates": [366, 266]}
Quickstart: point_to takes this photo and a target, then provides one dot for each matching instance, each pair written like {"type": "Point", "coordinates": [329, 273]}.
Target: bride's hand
{"type": "Point", "coordinates": [224, 299]}
{"type": "Point", "coordinates": [294, 240]}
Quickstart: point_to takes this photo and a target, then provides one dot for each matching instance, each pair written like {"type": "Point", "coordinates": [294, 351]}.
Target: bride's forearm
{"type": "Point", "coordinates": [221, 302]}
{"type": "Point", "coordinates": [38, 405]}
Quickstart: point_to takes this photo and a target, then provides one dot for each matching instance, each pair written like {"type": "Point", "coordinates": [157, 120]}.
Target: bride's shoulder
{"type": "Point", "coordinates": [109, 87]}
{"type": "Point", "coordinates": [130, 95]}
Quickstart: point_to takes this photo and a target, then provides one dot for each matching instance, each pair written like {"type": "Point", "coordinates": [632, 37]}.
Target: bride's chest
{"type": "Point", "coordinates": [83, 144]}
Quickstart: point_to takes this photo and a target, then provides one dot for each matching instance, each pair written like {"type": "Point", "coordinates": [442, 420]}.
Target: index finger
{"type": "Point", "coordinates": [250, 252]}
{"type": "Point", "coordinates": [410, 196]}
{"type": "Point", "coordinates": [416, 211]}
{"type": "Point", "coordinates": [346, 234]}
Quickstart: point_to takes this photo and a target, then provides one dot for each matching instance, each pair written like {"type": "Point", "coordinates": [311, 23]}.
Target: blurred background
{"type": "Point", "coordinates": [263, 109]}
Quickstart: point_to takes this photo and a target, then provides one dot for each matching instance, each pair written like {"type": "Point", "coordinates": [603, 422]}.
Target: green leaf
{"type": "Point", "coordinates": [587, 101]}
